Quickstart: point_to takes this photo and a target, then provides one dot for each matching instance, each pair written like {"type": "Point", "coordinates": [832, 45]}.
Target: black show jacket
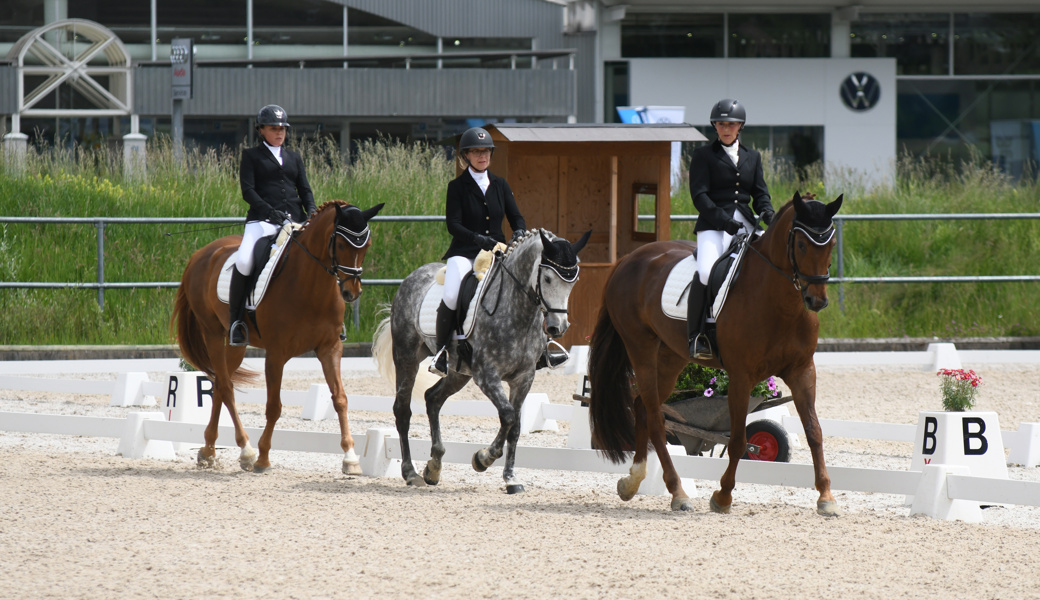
{"type": "Point", "coordinates": [719, 188]}
{"type": "Point", "coordinates": [268, 185]}
{"type": "Point", "coordinates": [470, 211]}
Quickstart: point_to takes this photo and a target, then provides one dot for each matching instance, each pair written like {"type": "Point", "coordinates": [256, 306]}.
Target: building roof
{"type": "Point", "coordinates": [591, 132]}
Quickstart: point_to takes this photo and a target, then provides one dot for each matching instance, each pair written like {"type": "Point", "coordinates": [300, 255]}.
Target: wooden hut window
{"type": "Point", "coordinates": [644, 203]}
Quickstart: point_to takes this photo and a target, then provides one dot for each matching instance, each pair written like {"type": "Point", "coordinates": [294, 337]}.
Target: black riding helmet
{"type": "Point", "coordinates": [728, 109]}
{"type": "Point", "coordinates": [272, 114]}
{"type": "Point", "coordinates": [475, 137]}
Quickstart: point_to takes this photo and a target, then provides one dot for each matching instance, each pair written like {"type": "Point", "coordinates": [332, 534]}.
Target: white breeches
{"type": "Point", "coordinates": [711, 244]}
{"type": "Point", "coordinates": [254, 231]}
{"type": "Point", "coordinates": [458, 267]}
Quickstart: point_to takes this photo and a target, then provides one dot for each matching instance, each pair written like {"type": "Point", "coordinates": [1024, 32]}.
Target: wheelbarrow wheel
{"type": "Point", "coordinates": [771, 438]}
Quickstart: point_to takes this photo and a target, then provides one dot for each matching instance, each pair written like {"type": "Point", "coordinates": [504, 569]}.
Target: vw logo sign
{"type": "Point", "coordinates": [860, 91]}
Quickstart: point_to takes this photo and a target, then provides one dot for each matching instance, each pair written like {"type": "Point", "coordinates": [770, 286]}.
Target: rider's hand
{"type": "Point", "coordinates": [484, 242]}
{"type": "Point", "coordinates": [767, 216]}
{"type": "Point", "coordinates": [518, 234]}
{"type": "Point", "coordinates": [276, 216]}
{"type": "Point", "coordinates": [732, 227]}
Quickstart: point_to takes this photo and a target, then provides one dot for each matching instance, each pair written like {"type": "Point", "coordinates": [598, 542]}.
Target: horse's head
{"type": "Point", "coordinates": [557, 274]}
{"type": "Point", "coordinates": [809, 244]}
{"type": "Point", "coordinates": [348, 244]}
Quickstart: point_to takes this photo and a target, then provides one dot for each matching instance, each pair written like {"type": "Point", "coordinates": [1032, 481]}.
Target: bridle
{"type": "Point", "coordinates": [567, 274]}
{"type": "Point", "coordinates": [818, 237]}
{"type": "Point", "coordinates": [357, 239]}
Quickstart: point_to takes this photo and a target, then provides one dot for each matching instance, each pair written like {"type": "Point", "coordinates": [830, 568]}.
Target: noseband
{"type": "Point", "coordinates": [818, 237]}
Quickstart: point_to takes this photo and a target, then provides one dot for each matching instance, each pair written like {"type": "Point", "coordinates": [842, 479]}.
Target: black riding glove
{"type": "Point", "coordinates": [519, 233]}
{"type": "Point", "coordinates": [276, 216]}
{"type": "Point", "coordinates": [484, 242]}
{"type": "Point", "coordinates": [732, 227]}
{"type": "Point", "coordinates": [766, 216]}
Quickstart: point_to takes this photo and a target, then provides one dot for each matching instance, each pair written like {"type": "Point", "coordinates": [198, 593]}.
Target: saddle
{"type": "Point", "coordinates": [471, 291]}
{"type": "Point", "coordinates": [675, 295]}
{"type": "Point", "coordinates": [267, 255]}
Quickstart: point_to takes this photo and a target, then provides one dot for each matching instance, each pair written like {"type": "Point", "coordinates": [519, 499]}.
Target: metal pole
{"type": "Point", "coordinates": [177, 126]}
{"type": "Point", "coordinates": [100, 264]}
{"type": "Point", "coordinates": [839, 226]}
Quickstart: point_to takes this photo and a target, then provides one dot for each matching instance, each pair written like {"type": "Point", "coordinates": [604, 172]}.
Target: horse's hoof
{"type": "Point", "coordinates": [623, 490]}
{"type": "Point", "coordinates": [478, 464]}
{"type": "Point", "coordinates": [206, 461]}
{"type": "Point", "coordinates": [351, 467]}
{"type": "Point", "coordinates": [247, 459]}
{"type": "Point", "coordinates": [431, 476]}
{"type": "Point", "coordinates": [515, 488]}
{"type": "Point", "coordinates": [682, 504]}
{"type": "Point", "coordinates": [718, 508]}
{"type": "Point", "coordinates": [257, 468]}
{"type": "Point", "coordinates": [828, 508]}
{"type": "Point", "coordinates": [416, 481]}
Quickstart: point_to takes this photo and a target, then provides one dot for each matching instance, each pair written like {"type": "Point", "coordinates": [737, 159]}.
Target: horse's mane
{"type": "Point", "coordinates": [321, 209]}
{"type": "Point", "coordinates": [517, 242]}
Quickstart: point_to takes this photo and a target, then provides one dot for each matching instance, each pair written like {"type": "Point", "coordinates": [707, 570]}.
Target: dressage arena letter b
{"type": "Point", "coordinates": [931, 425]}
{"type": "Point", "coordinates": [208, 391]}
{"type": "Point", "coordinates": [966, 427]}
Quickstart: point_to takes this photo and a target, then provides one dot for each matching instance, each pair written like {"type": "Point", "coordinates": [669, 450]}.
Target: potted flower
{"type": "Point", "coordinates": [697, 381]}
{"type": "Point", "coordinates": [959, 389]}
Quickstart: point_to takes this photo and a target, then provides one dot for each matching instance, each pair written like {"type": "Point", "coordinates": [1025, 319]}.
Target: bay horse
{"type": "Point", "coordinates": [524, 298]}
{"type": "Point", "coordinates": [768, 326]}
{"type": "Point", "coordinates": [302, 310]}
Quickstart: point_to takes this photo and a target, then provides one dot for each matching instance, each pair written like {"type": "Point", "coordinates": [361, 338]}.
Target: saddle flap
{"type": "Point", "coordinates": [267, 255]}
{"type": "Point", "coordinates": [467, 310]}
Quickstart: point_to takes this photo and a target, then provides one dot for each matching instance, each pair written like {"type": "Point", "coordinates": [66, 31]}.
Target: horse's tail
{"type": "Point", "coordinates": [610, 399]}
{"type": "Point", "coordinates": [383, 347]}
{"type": "Point", "coordinates": [184, 324]}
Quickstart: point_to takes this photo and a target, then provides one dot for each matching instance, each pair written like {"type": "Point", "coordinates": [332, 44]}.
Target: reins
{"type": "Point", "coordinates": [536, 297]}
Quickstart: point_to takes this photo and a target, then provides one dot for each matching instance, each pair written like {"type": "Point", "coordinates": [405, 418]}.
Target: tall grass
{"type": "Point", "coordinates": [411, 179]}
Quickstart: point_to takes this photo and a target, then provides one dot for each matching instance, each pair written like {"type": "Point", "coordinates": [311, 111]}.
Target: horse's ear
{"type": "Point", "coordinates": [832, 208]}
{"type": "Point", "coordinates": [799, 204]}
{"type": "Point", "coordinates": [545, 241]}
{"type": "Point", "coordinates": [368, 214]}
{"type": "Point", "coordinates": [578, 245]}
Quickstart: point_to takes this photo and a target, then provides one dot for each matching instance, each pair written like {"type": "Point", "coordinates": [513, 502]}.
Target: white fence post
{"type": "Point", "coordinates": [944, 356]}
{"type": "Point", "coordinates": [933, 498]}
{"type": "Point", "coordinates": [128, 390]}
{"type": "Point", "coordinates": [532, 418]}
{"type": "Point", "coordinates": [317, 405]}
{"type": "Point", "coordinates": [134, 444]}
{"type": "Point", "coordinates": [1025, 445]}
{"type": "Point", "coordinates": [375, 459]}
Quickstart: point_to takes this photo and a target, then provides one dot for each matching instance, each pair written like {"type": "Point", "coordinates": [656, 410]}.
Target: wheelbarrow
{"type": "Point", "coordinates": [699, 423]}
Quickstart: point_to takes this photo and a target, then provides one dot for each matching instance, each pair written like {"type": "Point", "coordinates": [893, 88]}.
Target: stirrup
{"type": "Point", "coordinates": [700, 348]}
{"type": "Point", "coordinates": [439, 366]}
{"type": "Point", "coordinates": [242, 338]}
{"type": "Point", "coordinates": [552, 358]}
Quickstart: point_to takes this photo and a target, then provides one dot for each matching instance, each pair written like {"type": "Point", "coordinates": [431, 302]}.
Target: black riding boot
{"type": "Point", "coordinates": [238, 332]}
{"type": "Point", "coordinates": [700, 346]}
{"type": "Point", "coordinates": [445, 325]}
{"type": "Point", "coordinates": [552, 357]}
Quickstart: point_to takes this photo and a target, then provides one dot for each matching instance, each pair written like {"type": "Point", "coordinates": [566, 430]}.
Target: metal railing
{"type": "Point", "coordinates": [100, 223]}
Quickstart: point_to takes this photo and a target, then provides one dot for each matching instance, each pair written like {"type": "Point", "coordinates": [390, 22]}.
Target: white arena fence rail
{"type": "Point", "coordinates": [940, 491]}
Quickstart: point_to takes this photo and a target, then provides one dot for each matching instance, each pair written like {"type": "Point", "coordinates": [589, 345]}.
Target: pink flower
{"type": "Point", "coordinates": [709, 392]}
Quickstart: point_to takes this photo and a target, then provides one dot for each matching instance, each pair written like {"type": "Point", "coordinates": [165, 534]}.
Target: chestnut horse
{"type": "Point", "coordinates": [768, 326]}
{"type": "Point", "coordinates": [301, 311]}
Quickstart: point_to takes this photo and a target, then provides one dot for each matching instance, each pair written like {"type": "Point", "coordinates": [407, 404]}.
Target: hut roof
{"type": "Point", "coordinates": [594, 132]}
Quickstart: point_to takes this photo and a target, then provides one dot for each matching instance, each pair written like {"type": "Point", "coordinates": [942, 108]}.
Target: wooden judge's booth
{"type": "Point", "coordinates": [569, 178]}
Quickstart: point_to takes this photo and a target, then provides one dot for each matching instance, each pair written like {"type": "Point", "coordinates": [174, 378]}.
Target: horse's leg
{"type": "Point", "coordinates": [330, 356]}
{"type": "Point", "coordinates": [406, 372]}
{"type": "Point", "coordinates": [628, 486]}
{"type": "Point", "coordinates": [273, 366]}
{"type": "Point", "coordinates": [803, 390]}
{"type": "Point", "coordinates": [739, 396]}
{"type": "Point", "coordinates": [489, 382]}
{"type": "Point", "coordinates": [225, 361]}
{"type": "Point", "coordinates": [435, 398]}
{"type": "Point", "coordinates": [518, 390]}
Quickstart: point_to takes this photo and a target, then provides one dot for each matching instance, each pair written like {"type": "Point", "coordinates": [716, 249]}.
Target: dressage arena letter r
{"type": "Point", "coordinates": [931, 425]}
{"type": "Point", "coordinates": [200, 392]}
{"type": "Point", "coordinates": [171, 393]}
{"type": "Point", "coordinates": [966, 424]}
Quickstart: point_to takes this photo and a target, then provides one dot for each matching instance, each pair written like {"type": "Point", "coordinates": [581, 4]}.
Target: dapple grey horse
{"type": "Point", "coordinates": [525, 298]}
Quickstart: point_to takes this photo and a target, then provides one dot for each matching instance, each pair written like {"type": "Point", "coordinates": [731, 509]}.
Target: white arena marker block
{"type": "Point", "coordinates": [134, 444]}
{"type": "Point", "coordinates": [316, 405]}
{"type": "Point", "coordinates": [578, 364]}
{"type": "Point", "coordinates": [971, 439]}
{"type": "Point", "coordinates": [1025, 449]}
{"type": "Point", "coordinates": [189, 399]}
{"type": "Point", "coordinates": [375, 459]}
{"type": "Point", "coordinates": [128, 392]}
{"type": "Point", "coordinates": [944, 356]}
{"type": "Point", "coordinates": [580, 436]}
{"type": "Point", "coordinates": [654, 485]}
{"type": "Point", "coordinates": [933, 500]}
{"type": "Point", "coordinates": [531, 416]}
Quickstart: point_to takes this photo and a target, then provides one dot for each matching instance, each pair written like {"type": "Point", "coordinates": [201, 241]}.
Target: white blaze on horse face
{"type": "Point", "coordinates": [556, 292]}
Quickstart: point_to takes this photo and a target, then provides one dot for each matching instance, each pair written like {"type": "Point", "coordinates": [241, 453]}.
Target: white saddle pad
{"type": "Point", "coordinates": [224, 281]}
{"type": "Point", "coordinates": [675, 295]}
{"type": "Point", "coordinates": [432, 299]}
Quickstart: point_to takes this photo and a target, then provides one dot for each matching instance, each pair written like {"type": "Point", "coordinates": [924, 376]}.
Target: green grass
{"type": "Point", "coordinates": [411, 180]}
